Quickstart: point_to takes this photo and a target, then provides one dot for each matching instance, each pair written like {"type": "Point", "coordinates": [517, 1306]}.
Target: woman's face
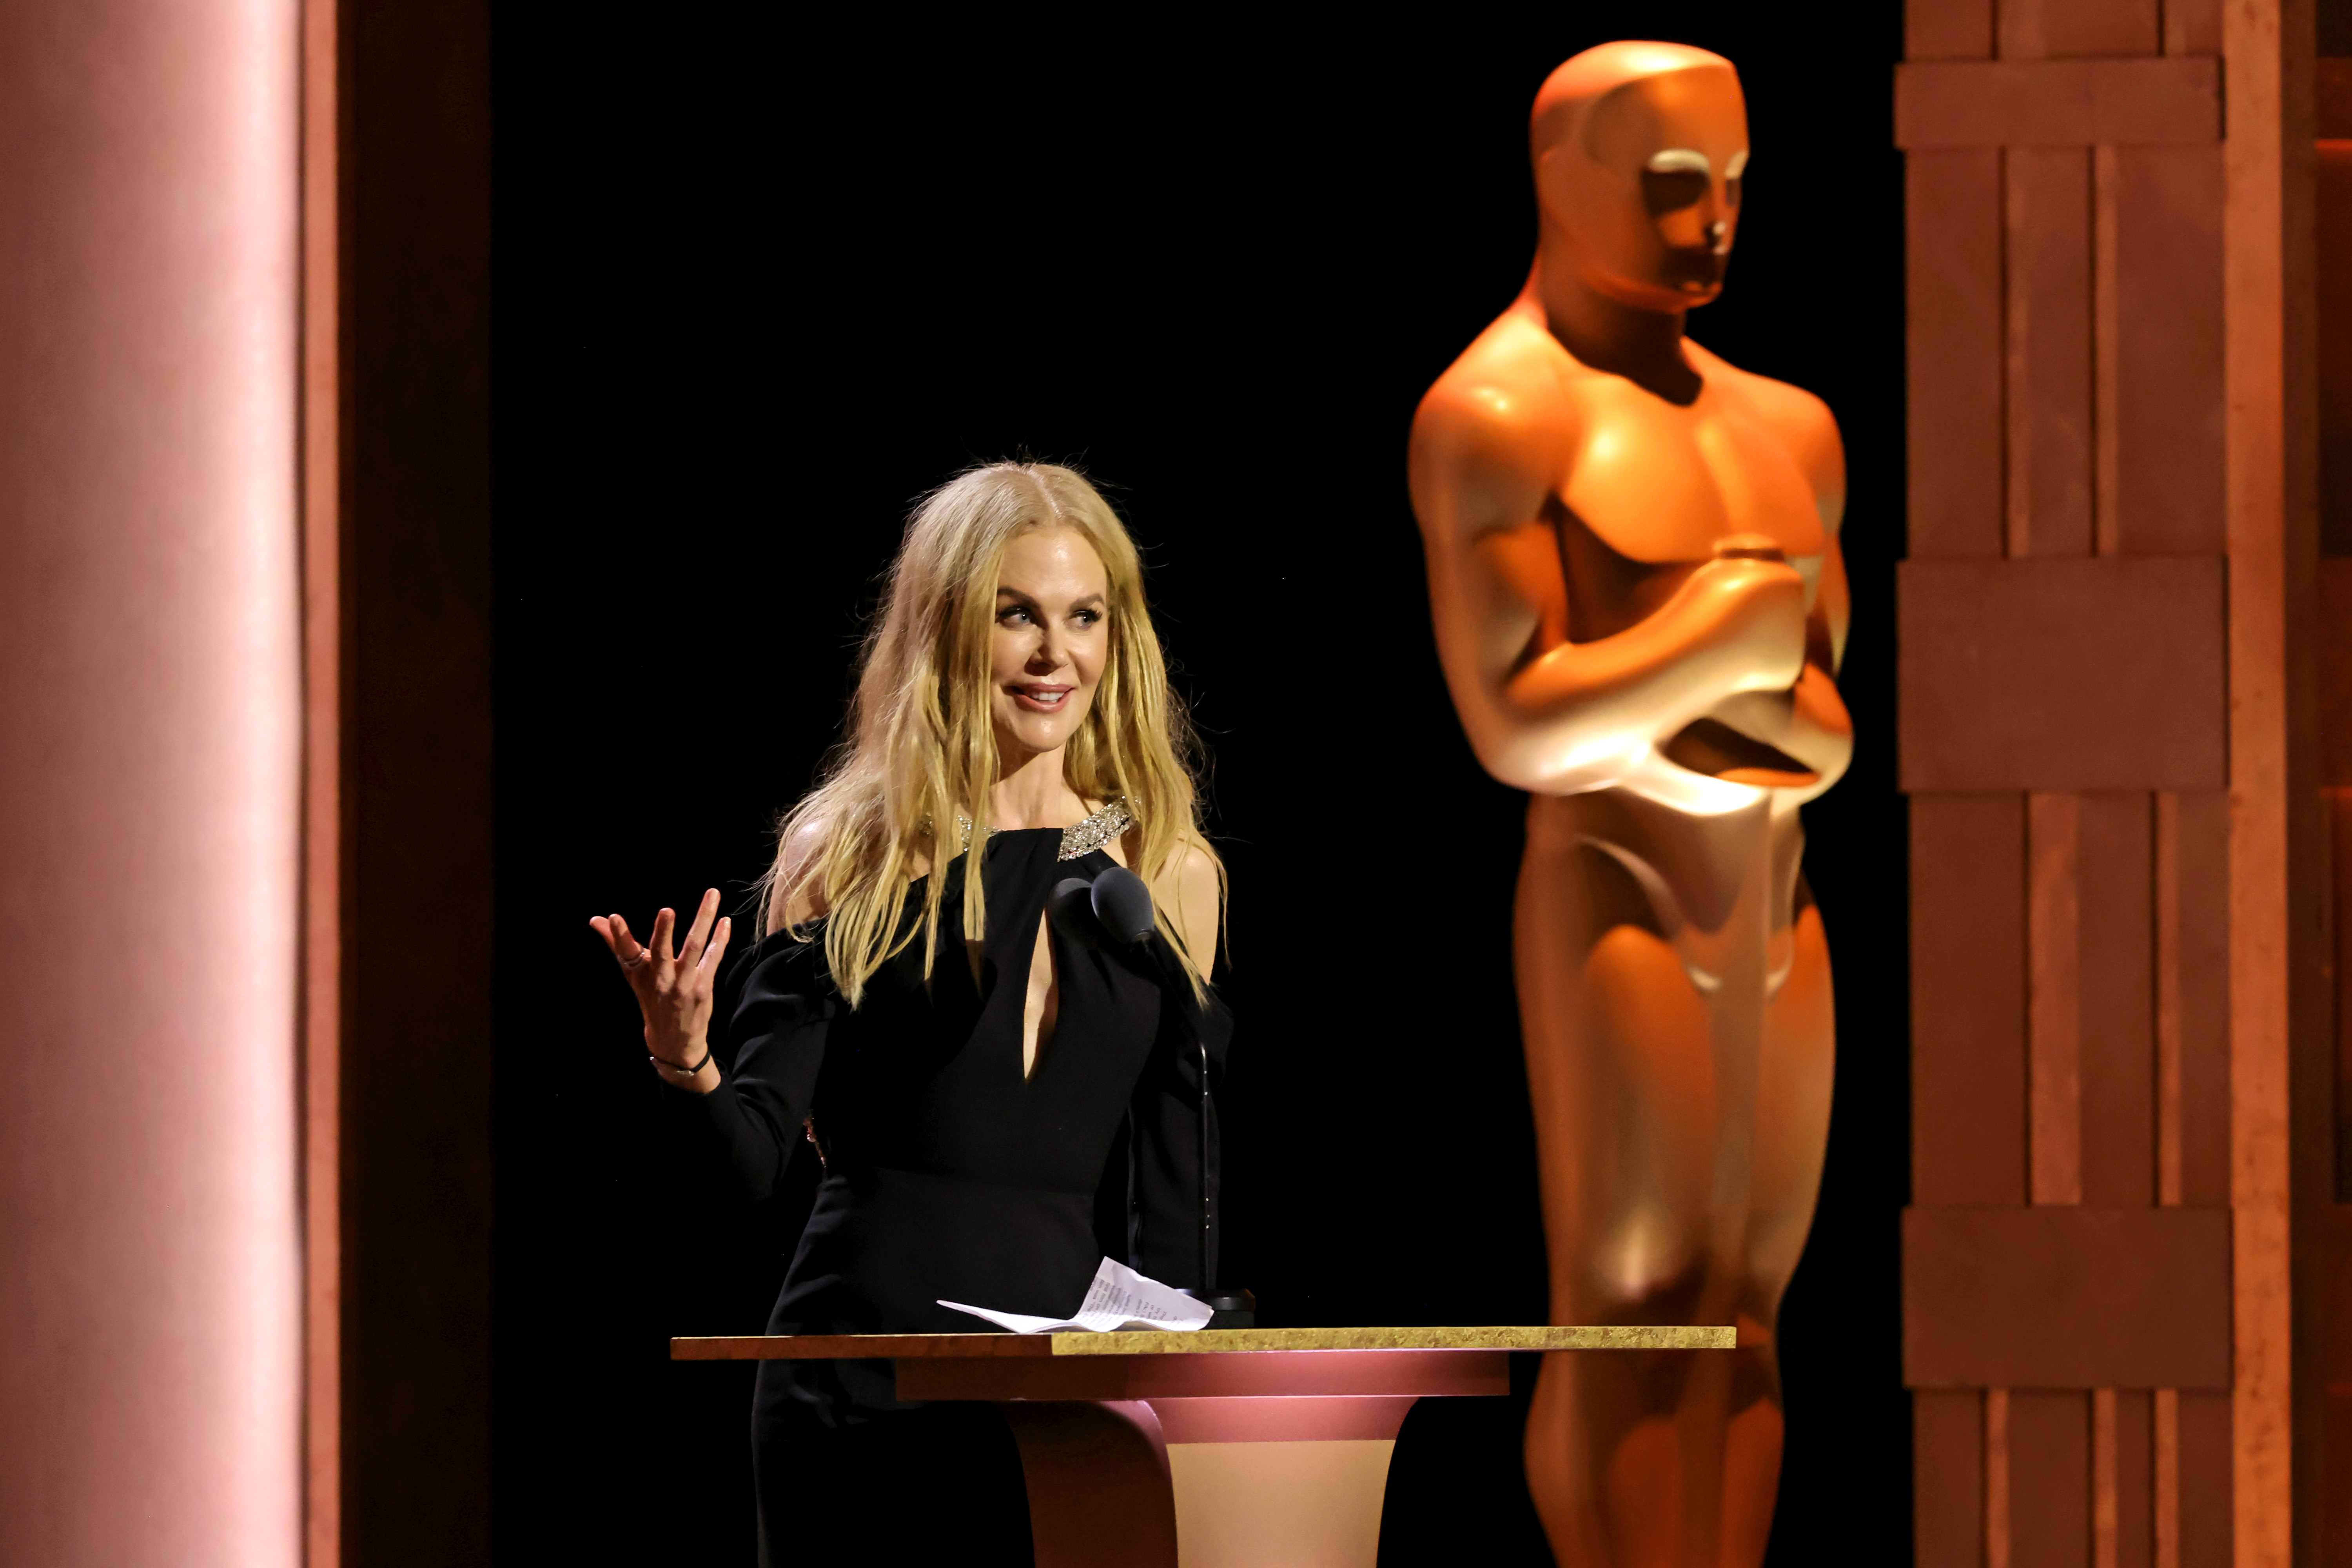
{"type": "Point", "coordinates": [1052, 631]}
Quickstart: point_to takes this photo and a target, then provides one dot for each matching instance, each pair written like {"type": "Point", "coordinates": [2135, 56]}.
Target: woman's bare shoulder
{"type": "Point", "coordinates": [1196, 883]}
{"type": "Point", "coordinates": [801, 896]}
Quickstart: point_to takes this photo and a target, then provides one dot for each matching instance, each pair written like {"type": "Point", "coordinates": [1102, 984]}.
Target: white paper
{"type": "Point", "coordinates": [1119, 1298]}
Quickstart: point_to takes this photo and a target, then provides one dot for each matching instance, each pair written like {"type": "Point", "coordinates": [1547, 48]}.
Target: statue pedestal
{"type": "Point", "coordinates": [1224, 1448]}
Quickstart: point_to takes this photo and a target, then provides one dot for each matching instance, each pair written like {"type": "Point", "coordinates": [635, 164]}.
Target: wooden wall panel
{"type": "Point", "coordinates": [2065, 699]}
{"type": "Point", "coordinates": [1952, 226]}
{"type": "Point", "coordinates": [2049, 1480]}
{"type": "Point", "coordinates": [2116, 989]}
{"type": "Point", "coordinates": [2063, 675]}
{"type": "Point", "coordinates": [2202, 855]}
{"type": "Point", "coordinates": [1967, 999]}
{"type": "Point", "coordinates": [2114, 1297]}
{"type": "Point", "coordinates": [2207, 1530]}
{"type": "Point", "coordinates": [2054, 999]}
{"type": "Point", "coordinates": [2046, 218]}
{"type": "Point", "coordinates": [1947, 29]}
{"type": "Point", "coordinates": [2127, 1496]}
{"type": "Point", "coordinates": [1947, 1499]}
{"type": "Point", "coordinates": [2098, 26]}
{"type": "Point", "coordinates": [2192, 26]}
{"type": "Point", "coordinates": [2168, 250]}
{"type": "Point", "coordinates": [2057, 103]}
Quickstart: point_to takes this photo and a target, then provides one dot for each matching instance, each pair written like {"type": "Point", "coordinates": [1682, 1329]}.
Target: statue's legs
{"type": "Point", "coordinates": [1680, 1129]}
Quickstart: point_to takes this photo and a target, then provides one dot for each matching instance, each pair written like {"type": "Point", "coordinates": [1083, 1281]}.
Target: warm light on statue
{"type": "Point", "coordinates": [1640, 607]}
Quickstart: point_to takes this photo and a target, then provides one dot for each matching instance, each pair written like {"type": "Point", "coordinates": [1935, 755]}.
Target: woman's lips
{"type": "Point", "coordinates": [1042, 699]}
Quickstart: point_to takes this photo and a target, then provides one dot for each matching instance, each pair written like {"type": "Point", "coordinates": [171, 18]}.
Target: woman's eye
{"type": "Point", "coordinates": [1088, 617]}
{"type": "Point", "coordinates": [1011, 615]}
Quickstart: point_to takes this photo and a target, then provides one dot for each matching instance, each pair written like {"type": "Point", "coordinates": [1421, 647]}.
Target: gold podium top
{"type": "Point", "coordinates": [937, 1347]}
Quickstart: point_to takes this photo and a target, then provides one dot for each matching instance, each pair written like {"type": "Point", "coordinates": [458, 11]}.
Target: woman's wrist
{"type": "Point", "coordinates": [698, 1074]}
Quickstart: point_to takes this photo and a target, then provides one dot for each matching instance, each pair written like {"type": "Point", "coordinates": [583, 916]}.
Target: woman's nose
{"type": "Point", "coordinates": [1048, 654]}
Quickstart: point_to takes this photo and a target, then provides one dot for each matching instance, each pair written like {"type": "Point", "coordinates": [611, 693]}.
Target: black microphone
{"type": "Point", "coordinates": [1122, 905]}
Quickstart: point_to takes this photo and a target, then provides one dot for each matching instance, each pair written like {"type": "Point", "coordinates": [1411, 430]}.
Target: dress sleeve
{"type": "Point", "coordinates": [773, 1047]}
{"type": "Point", "coordinates": [1164, 1213]}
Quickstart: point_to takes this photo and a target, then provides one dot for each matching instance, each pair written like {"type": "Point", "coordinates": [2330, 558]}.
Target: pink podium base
{"type": "Point", "coordinates": [1238, 1448]}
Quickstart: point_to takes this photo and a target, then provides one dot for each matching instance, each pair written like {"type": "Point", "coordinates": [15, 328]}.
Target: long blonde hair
{"type": "Point", "coordinates": [921, 750]}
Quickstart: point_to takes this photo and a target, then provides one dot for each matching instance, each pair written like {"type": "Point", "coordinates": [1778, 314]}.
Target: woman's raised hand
{"type": "Point", "coordinates": [674, 989]}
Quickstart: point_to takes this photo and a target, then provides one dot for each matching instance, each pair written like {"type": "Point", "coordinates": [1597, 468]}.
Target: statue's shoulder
{"type": "Point", "coordinates": [1802, 421]}
{"type": "Point", "coordinates": [1505, 401]}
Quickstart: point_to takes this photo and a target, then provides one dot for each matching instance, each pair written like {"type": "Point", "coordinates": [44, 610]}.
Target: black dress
{"type": "Point", "coordinates": [949, 1174]}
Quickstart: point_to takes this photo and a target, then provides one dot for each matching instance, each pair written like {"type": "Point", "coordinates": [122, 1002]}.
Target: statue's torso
{"type": "Point", "coordinates": [1640, 492]}
{"type": "Point", "coordinates": [1646, 490]}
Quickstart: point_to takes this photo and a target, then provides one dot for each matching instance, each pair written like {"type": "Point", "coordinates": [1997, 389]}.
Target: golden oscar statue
{"type": "Point", "coordinates": [1640, 606]}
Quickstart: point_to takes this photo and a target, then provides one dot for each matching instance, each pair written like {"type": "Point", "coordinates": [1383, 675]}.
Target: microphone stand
{"type": "Point", "coordinates": [1234, 1308]}
{"type": "Point", "coordinates": [1121, 906]}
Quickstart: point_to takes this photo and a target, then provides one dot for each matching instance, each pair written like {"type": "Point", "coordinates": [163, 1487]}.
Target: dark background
{"type": "Point", "coordinates": [757, 287]}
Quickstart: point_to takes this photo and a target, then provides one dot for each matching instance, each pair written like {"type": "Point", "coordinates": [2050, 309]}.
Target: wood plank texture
{"type": "Point", "coordinates": [1947, 1478]}
{"type": "Point", "coordinates": [2065, 1297]}
{"type": "Point", "coordinates": [2192, 26]}
{"type": "Point", "coordinates": [1967, 999]}
{"type": "Point", "coordinates": [2057, 104]}
{"type": "Point", "coordinates": [2062, 675]}
{"type": "Point", "coordinates": [2046, 225]}
{"type": "Point", "coordinates": [2053, 1012]}
{"type": "Point", "coordinates": [2201, 851]}
{"type": "Point", "coordinates": [2167, 1478]}
{"type": "Point", "coordinates": [1947, 29]}
{"type": "Point", "coordinates": [2135, 1478]}
{"type": "Point", "coordinates": [2017, 30]}
{"type": "Point", "coordinates": [2274, 789]}
{"type": "Point", "coordinates": [2066, 686]}
{"type": "Point", "coordinates": [2094, 27]}
{"type": "Point", "coordinates": [2168, 349]}
{"type": "Point", "coordinates": [2049, 1480]}
{"type": "Point", "coordinates": [2106, 1527]}
{"type": "Point", "coordinates": [2116, 981]}
{"type": "Point", "coordinates": [2165, 877]}
{"type": "Point", "coordinates": [1953, 237]}
{"type": "Point", "coordinates": [2206, 1509]}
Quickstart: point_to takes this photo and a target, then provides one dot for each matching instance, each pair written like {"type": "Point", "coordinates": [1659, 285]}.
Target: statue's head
{"type": "Point", "coordinates": [1639, 148]}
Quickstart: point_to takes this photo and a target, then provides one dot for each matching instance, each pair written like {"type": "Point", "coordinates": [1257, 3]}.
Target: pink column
{"type": "Point", "coordinates": [150, 723]}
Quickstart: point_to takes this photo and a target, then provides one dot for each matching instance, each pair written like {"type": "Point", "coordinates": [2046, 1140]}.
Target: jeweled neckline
{"type": "Point", "coordinates": [1082, 838]}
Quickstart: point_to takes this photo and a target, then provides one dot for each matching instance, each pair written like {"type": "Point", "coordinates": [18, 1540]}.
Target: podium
{"type": "Point", "coordinates": [1220, 1449]}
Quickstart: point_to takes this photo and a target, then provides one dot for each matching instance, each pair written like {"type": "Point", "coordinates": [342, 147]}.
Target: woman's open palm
{"type": "Point", "coordinates": [674, 990]}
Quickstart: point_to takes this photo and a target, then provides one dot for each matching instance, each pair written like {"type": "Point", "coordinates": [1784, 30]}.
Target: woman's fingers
{"type": "Point", "coordinates": [615, 932]}
{"type": "Point", "coordinates": [690, 951]}
{"type": "Point", "coordinates": [657, 943]}
{"type": "Point", "coordinates": [709, 964]}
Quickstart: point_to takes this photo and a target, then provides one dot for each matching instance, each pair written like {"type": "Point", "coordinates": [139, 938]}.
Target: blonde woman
{"type": "Point", "coordinates": [966, 1059]}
